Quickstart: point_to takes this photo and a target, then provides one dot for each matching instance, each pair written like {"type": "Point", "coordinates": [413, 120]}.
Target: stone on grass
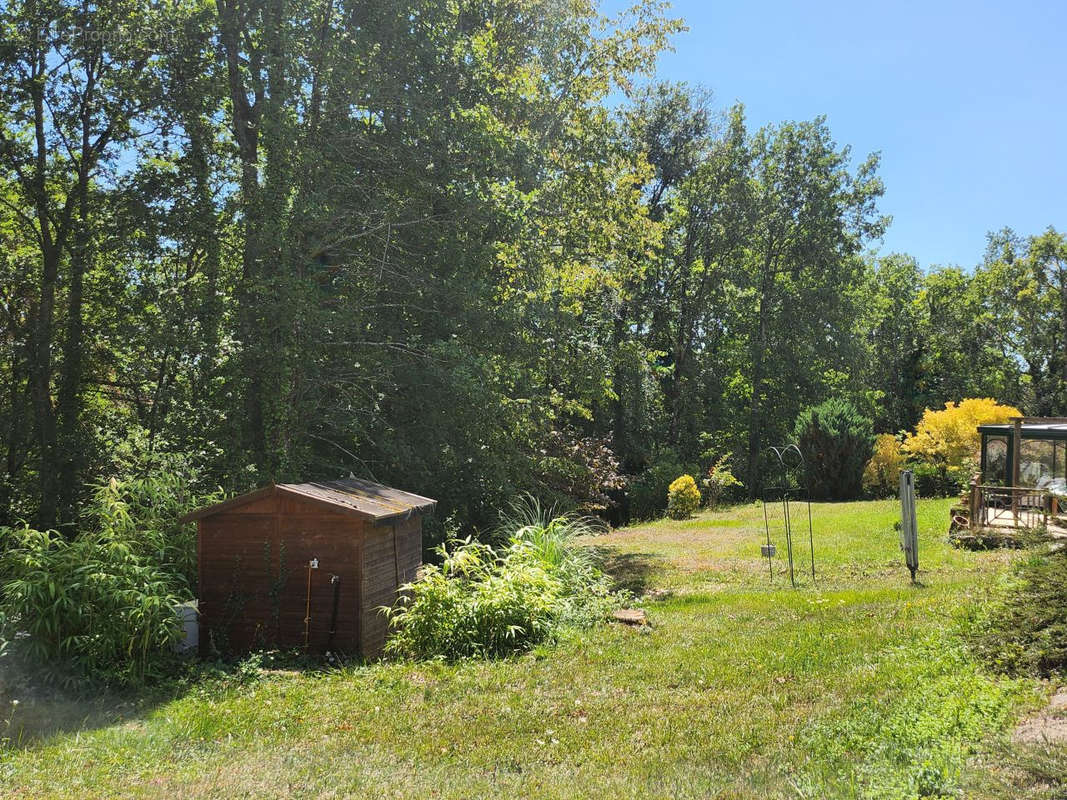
{"type": "Point", "coordinates": [630, 616]}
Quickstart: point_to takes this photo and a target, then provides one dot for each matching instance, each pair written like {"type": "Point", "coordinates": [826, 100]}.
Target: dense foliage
{"type": "Point", "coordinates": [415, 242]}
{"type": "Point", "coordinates": [648, 492]}
{"type": "Point", "coordinates": [942, 450]}
{"type": "Point", "coordinates": [486, 602]}
{"type": "Point", "coordinates": [719, 481]}
{"type": "Point", "coordinates": [836, 442]}
{"type": "Point", "coordinates": [881, 476]}
{"type": "Point", "coordinates": [101, 604]}
{"type": "Point", "coordinates": [949, 437]}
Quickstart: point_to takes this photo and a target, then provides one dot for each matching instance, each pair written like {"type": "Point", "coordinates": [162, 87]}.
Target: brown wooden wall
{"type": "Point", "coordinates": [392, 553]}
{"type": "Point", "coordinates": [253, 576]}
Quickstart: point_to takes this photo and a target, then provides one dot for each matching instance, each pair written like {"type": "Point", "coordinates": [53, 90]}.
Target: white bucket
{"type": "Point", "coordinates": [189, 614]}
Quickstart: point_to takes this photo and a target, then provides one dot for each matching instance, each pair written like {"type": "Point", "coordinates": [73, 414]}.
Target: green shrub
{"type": "Point", "coordinates": [102, 604]}
{"type": "Point", "coordinates": [1023, 629]}
{"type": "Point", "coordinates": [719, 481]}
{"type": "Point", "coordinates": [940, 480]}
{"type": "Point", "coordinates": [581, 469]}
{"type": "Point", "coordinates": [836, 441]}
{"type": "Point", "coordinates": [90, 604]}
{"type": "Point", "coordinates": [683, 497]}
{"type": "Point", "coordinates": [485, 602]}
{"type": "Point", "coordinates": [472, 605]}
{"type": "Point", "coordinates": [647, 493]}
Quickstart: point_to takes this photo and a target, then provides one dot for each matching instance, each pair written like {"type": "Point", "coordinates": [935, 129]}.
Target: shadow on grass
{"type": "Point", "coordinates": [35, 708]}
{"type": "Point", "coordinates": [631, 572]}
{"type": "Point", "coordinates": [37, 704]}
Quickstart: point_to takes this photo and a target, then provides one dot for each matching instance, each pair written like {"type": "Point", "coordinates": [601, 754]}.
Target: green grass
{"type": "Point", "coordinates": [854, 687]}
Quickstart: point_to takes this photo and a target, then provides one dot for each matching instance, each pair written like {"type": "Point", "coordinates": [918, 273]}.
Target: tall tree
{"type": "Point", "coordinates": [891, 365]}
{"type": "Point", "coordinates": [671, 125]}
{"type": "Point", "coordinates": [709, 237]}
{"type": "Point", "coordinates": [68, 108]}
{"type": "Point", "coordinates": [811, 215]}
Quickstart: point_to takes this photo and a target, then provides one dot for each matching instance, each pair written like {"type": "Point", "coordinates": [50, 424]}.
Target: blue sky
{"type": "Point", "coordinates": [967, 102]}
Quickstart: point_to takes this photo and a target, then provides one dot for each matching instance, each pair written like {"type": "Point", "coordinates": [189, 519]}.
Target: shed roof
{"type": "Point", "coordinates": [360, 498]}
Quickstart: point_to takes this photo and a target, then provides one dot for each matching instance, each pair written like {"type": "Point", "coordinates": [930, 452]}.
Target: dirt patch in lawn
{"type": "Point", "coordinates": [682, 556]}
{"type": "Point", "coordinates": [1049, 726]}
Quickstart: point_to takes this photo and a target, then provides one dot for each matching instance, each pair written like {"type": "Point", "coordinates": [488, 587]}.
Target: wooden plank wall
{"type": "Point", "coordinates": [392, 554]}
{"type": "Point", "coordinates": [409, 544]}
{"type": "Point", "coordinates": [334, 540]}
{"type": "Point", "coordinates": [254, 577]}
{"type": "Point", "coordinates": [236, 562]}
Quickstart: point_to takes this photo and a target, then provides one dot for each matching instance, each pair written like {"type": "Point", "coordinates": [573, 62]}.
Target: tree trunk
{"type": "Point", "coordinates": [680, 346]}
{"type": "Point", "coordinates": [755, 409]}
{"type": "Point", "coordinates": [15, 452]}
{"type": "Point", "coordinates": [70, 449]}
{"type": "Point", "coordinates": [1061, 395]}
{"type": "Point", "coordinates": [620, 435]}
{"type": "Point", "coordinates": [755, 421]}
{"type": "Point", "coordinates": [245, 127]}
{"type": "Point", "coordinates": [40, 363]}
{"type": "Point", "coordinates": [41, 392]}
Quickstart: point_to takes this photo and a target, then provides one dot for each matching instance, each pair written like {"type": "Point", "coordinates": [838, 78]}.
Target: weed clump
{"type": "Point", "coordinates": [486, 602]}
{"type": "Point", "coordinates": [1023, 629]}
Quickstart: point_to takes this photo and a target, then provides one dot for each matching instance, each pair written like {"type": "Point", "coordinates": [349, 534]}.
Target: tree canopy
{"type": "Point", "coordinates": [472, 250]}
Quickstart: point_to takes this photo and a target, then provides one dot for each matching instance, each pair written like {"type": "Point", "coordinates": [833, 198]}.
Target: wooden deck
{"type": "Point", "coordinates": [1002, 508]}
{"type": "Point", "coordinates": [1029, 519]}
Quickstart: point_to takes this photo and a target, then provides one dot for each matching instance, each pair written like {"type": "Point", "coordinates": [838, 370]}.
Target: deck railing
{"type": "Point", "coordinates": [1008, 506]}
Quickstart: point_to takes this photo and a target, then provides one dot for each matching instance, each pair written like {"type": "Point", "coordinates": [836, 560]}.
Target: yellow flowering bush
{"type": "Point", "coordinates": [683, 497]}
{"type": "Point", "coordinates": [881, 477]}
{"type": "Point", "coordinates": [949, 437]}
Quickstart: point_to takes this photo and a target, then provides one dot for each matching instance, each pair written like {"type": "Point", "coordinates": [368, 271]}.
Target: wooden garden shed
{"type": "Point", "coordinates": [306, 565]}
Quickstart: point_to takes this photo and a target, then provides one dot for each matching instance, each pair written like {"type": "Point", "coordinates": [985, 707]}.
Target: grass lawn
{"type": "Point", "coordinates": [742, 688]}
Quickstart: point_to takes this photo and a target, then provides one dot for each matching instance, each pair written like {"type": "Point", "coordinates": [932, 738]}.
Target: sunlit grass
{"type": "Point", "coordinates": [743, 687]}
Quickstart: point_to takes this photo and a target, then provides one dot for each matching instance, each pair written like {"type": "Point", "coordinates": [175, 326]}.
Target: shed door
{"type": "Point", "coordinates": [331, 540]}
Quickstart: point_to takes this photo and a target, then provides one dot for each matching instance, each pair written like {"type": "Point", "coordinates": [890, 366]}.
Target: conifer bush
{"type": "Point", "coordinates": [836, 441]}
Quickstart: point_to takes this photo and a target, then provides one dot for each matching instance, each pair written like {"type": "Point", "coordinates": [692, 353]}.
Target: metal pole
{"type": "Point", "coordinates": [767, 529]}
{"type": "Point", "coordinates": [788, 536]}
{"type": "Point", "coordinates": [307, 611]}
{"type": "Point", "coordinates": [1016, 447]}
{"type": "Point", "coordinates": [909, 530]}
{"type": "Point", "coordinates": [811, 540]}
{"type": "Point", "coordinates": [336, 581]}
{"type": "Point", "coordinates": [312, 564]}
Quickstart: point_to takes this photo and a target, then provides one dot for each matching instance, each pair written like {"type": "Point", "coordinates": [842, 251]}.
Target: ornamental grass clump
{"type": "Point", "coordinates": [101, 604]}
{"type": "Point", "coordinates": [488, 602]}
